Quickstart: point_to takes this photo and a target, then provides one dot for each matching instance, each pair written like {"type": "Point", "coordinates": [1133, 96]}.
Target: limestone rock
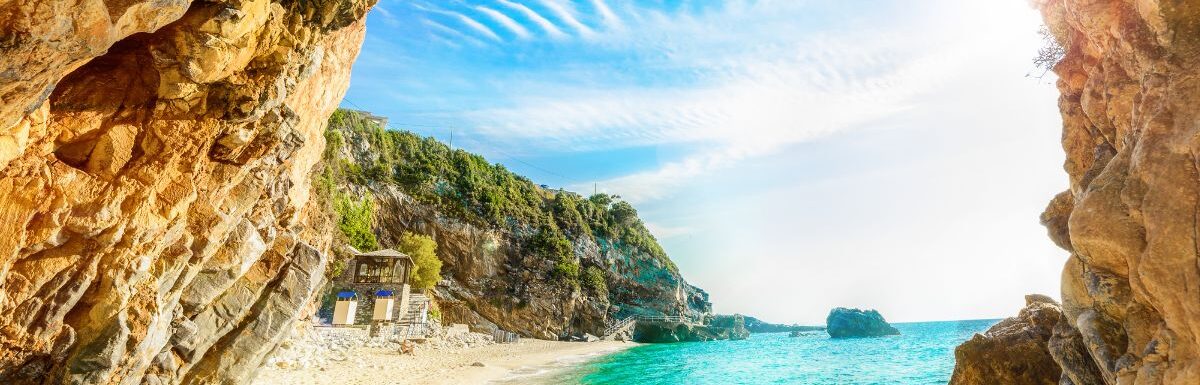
{"type": "Point", "coordinates": [1012, 352]}
{"type": "Point", "coordinates": [1128, 100]}
{"type": "Point", "coordinates": [849, 323]}
{"type": "Point", "coordinates": [155, 220]}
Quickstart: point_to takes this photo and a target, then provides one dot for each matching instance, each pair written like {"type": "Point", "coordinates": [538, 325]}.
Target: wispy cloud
{"type": "Point", "coordinates": [606, 14]}
{"type": "Point", "coordinates": [453, 33]}
{"type": "Point", "coordinates": [729, 82]}
{"type": "Point", "coordinates": [536, 18]}
{"type": "Point", "coordinates": [504, 20]}
{"type": "Point", "coordinates": [478, 27]}
{"type": "Point", "coordinates": [566, 14]}
{"type": "Point", "coordinates": [387, 16]}
{"type": "Point", "coordinates": [743, 103]}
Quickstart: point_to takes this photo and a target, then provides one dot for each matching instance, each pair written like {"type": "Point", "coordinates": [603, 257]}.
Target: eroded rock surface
{"type": "Point", "coordinates": [1013, 351]}
{"type": "Point", "coordinates": [155, 221]}
{"type": "Point", "coordinates": [1129, 89]}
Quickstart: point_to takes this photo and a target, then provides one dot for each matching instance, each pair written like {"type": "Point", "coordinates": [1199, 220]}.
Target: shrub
{"type": "Point", "coordinates": [593, 280]}
{"type": "Point", "coordinates": [354, 221]}
{"type": "Point", "coordinates": [567, 271]}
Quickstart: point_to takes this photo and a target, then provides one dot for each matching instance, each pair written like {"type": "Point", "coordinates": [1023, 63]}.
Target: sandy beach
{"type": "Point", "coordinates": [380, 365]}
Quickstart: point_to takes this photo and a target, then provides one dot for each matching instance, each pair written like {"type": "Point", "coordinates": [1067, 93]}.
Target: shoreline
{"type": "Point", "coordinates": [501, 362]}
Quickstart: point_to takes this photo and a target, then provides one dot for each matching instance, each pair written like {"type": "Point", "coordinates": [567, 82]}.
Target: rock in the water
{"type": "Point", "coordinates": [755, 325]}
{"type": "Point", "coordinates": [1012, 352]}
{"type": "Point", "coordinates": [847, 323]}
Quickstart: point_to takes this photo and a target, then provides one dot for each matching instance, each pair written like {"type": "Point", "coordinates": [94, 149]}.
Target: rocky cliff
{"type": "Point", "coordinates": [1131, 218]}
{"type": "Point", "coordinates": [1128, 84]}
{"type": "Point", "coordinates": [155, 221]}
{"type": "Point", "coordinates": [517, 256]}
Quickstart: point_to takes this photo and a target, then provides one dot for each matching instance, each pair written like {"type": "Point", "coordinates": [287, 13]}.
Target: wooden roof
{"type": "Point", "coordinates": [385, 253]}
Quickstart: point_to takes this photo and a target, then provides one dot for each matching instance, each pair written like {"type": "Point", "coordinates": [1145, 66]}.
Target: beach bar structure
{"type": "Point", "coordinates": [382, 277]}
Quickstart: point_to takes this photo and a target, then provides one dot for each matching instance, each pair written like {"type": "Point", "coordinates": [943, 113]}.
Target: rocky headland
{"type": "Point", "coordinates": [1128, 90]}
{"type": "Point", "coordinates": [516, 256]}
{"type": "Point", "coordinates": [850, 323]}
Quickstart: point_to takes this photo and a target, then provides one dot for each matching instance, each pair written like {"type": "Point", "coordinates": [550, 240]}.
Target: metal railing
{"type": "Point", "coordinates": [611, 329]}
{"type": "Point", "coordinates": [665, 318]}
{"type": "Point", "coordinates": [622, 324]}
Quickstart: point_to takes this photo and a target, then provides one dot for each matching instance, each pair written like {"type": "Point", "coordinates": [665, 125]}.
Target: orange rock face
{"type": "Point", "coordinates": [155, 221]}
{"type": "Point", "coordinates": [1130, 85]}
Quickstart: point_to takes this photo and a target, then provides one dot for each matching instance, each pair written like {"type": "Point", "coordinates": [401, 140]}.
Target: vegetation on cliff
{"type": "Point", "coordinates": [466, 186]}
{"type": "Point", "coordinates": [354, 218]}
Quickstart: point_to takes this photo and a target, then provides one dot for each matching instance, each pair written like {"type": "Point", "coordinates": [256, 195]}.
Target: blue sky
{"type": "Point", "coordinates": [790, 155]}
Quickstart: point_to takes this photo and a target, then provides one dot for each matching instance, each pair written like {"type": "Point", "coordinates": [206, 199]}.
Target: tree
{"type": "Point", "coordinates": [1051, 52]}
{"type": "Point", "coordinates": [423, 250]}
{"type": "Point", "coordinates": [623, 213]}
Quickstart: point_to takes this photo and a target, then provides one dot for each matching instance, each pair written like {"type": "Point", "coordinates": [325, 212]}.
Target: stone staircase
{"type": "Point", "coordinates": [415, 321]}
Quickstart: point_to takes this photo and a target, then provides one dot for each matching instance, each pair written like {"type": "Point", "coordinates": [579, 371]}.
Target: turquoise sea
{"type": "Point", "coordinates": [922, 354]}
